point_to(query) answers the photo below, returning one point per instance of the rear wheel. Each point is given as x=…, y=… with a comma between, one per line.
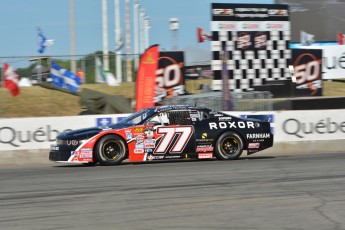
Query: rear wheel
x=229, y=146
x=110, y=150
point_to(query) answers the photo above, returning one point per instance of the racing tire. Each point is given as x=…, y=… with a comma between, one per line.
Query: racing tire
x=229, y=146
x=110, y=150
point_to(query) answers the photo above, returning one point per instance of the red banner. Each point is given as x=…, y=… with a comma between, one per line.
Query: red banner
x=146, y=78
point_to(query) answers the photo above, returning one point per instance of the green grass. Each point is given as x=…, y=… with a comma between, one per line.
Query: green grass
x=40, y=102
x=37, y=101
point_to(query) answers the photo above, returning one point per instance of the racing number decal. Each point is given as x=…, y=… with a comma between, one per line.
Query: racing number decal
x=169, y=133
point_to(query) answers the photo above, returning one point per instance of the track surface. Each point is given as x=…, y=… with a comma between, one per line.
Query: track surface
x=291, y=192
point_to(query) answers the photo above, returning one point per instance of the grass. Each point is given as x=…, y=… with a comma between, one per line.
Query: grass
x=40, y=102
x=36, y=101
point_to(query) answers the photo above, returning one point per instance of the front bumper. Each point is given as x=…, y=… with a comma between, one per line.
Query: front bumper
x=60, y=153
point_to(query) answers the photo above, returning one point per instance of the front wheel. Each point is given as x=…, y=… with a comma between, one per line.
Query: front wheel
x=110, y=150
x=229, y=146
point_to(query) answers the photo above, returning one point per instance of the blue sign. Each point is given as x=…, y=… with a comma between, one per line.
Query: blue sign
x=104, y=122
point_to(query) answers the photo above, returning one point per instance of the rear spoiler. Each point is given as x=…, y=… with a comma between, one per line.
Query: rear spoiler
x=258, y=117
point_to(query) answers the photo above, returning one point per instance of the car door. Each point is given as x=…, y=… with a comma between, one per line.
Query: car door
x=172, y=135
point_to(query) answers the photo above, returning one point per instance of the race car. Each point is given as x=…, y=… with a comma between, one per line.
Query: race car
x=165, y=132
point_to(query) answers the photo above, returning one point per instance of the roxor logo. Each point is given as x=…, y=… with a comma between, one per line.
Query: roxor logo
x=232, y=125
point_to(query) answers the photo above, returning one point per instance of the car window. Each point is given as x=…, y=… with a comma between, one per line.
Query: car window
x=179, y=118
x=159, y=119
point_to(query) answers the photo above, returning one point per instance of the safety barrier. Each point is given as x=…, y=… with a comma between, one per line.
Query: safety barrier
x=294, y=131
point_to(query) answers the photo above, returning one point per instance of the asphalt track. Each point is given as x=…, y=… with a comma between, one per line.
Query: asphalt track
x=259, y=192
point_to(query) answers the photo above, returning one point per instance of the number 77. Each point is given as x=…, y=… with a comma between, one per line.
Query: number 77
x=169, y=134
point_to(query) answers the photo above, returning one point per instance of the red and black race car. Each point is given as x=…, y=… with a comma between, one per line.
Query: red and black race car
x=165, y=132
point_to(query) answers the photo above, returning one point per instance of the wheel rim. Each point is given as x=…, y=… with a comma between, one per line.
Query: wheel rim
x=112, y=150
x=229, y=146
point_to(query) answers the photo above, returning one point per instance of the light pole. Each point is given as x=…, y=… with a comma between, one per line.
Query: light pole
x=136, y=33
x=119, y=42
x=105, y=36
x=174, y=26
x=128, y=42
x=72, y=29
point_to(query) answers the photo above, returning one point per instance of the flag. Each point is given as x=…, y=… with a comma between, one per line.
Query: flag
x=307, y=39
x=43, y=41
x=64, y=78
x=146, y=78
x=341, y=39
x=103, y=76
x=202, y=36
x=11, y=79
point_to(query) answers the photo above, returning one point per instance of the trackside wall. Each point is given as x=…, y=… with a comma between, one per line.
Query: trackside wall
x=295, y=132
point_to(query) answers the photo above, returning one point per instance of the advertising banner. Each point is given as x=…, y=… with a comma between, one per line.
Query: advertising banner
x=310, y=125
x=145, y=84
x=170, y=76
x=257, y=40
x=287, y=126
x=40, y=133
x=303, y=125
x=307, y=65
x=333, y=65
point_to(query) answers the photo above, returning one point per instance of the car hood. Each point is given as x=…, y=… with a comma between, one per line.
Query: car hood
x=86, y=133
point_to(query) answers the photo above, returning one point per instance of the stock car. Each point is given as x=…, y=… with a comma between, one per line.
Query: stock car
x=165, y=132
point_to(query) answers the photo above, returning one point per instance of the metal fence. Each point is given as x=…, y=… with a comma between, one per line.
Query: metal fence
x=246, y=101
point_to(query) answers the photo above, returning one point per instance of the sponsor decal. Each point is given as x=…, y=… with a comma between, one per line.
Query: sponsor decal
x=139, y=144
x=260, y=40
x=254, y=145
x=148, y=133
x=129, y=136
x=85, y=153
x=227, y=26
x=148, y=150
x=224, y=118
x=151, y=157
x=278, y=12
x=243, y=40
x=223, y=12
x=204, y=148
x=149, y=144
x=138, y=151
x=249, y=26
x=258, y=135
x=276, y=26
x=72, y=142
x=205, y=155
x=204, y=135
x=173, y=157
x=139, y=130
x=232, y=124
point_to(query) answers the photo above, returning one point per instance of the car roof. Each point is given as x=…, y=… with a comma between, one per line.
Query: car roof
x=178, y=107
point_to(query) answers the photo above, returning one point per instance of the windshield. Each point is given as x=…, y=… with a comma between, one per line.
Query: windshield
x=137, y=118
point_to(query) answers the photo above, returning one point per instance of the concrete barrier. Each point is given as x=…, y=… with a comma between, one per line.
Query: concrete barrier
x=26, y=140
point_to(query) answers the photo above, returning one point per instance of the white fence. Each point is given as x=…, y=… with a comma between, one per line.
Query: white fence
x=288, y=126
